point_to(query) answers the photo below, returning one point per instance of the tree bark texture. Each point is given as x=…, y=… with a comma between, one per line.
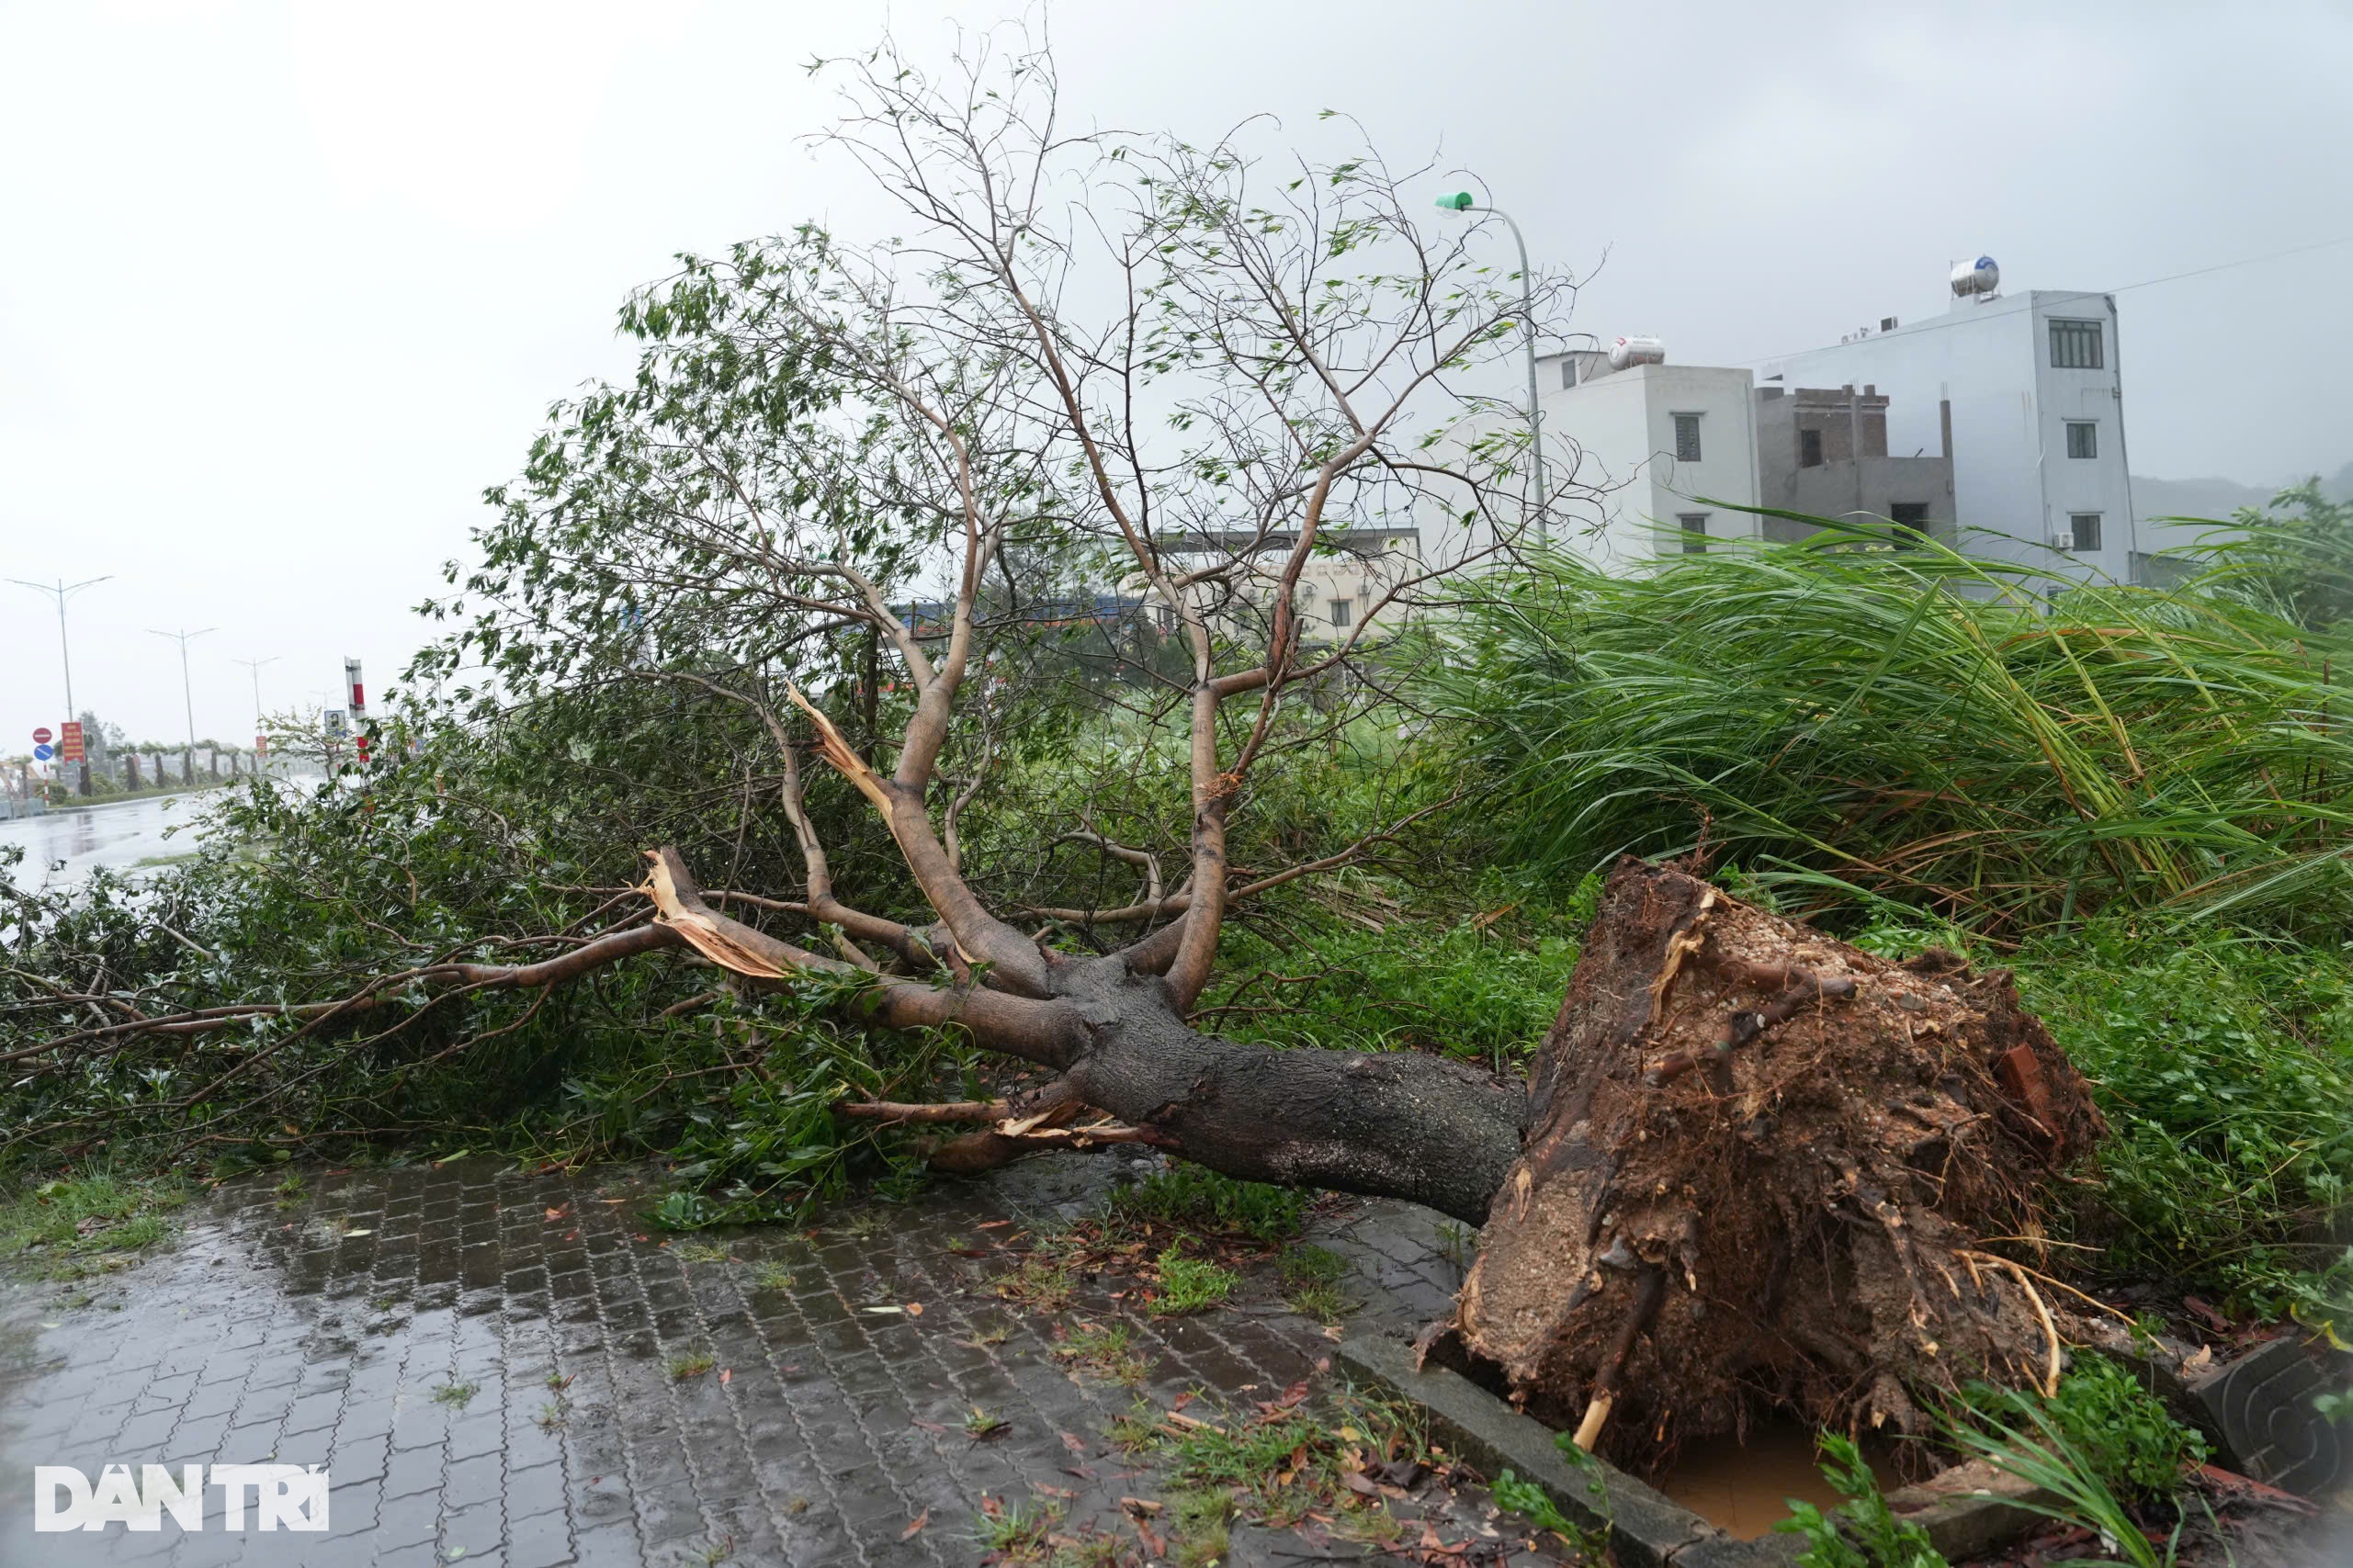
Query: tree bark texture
x=1422, y=1128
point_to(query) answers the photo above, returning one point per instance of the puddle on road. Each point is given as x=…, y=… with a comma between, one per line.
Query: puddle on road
x=1745, y=1488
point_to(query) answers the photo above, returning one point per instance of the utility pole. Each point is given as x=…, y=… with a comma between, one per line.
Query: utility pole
x=1461, y=201
x=187, y=692
x=63, y=591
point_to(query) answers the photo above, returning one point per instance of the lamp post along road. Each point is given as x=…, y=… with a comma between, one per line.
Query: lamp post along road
x=187, y=692
x=61, y=593
x=255, y=665
x=1462, y=201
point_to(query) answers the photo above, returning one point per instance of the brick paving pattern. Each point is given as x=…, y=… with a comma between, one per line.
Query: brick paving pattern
x=341, y=1327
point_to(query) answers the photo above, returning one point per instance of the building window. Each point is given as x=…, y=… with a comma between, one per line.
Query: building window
x=2083, y=528
x=1695, y=533
x=2083, y=439
x=1567, y=372
x=1809, y=448
x=1687, y=438
x=1342, y=612
x=2075, y=346
x=1911, y=520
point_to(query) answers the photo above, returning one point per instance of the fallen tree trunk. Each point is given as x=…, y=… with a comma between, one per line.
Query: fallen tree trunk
x=1422, y=1128
x=1756, y=1166
x=1751, y=1169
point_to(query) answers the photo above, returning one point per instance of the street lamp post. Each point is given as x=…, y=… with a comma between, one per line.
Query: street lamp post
x=61, y=593
x=187, y=691
x=255, y=665
x=1463, y=201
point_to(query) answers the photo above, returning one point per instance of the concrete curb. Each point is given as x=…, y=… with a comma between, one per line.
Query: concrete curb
x=1647, y=1528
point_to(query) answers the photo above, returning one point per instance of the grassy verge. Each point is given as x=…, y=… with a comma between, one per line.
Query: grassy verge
x=79, y=1229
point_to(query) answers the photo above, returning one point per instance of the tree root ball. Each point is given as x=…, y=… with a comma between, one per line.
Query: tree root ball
x=1765, y=1169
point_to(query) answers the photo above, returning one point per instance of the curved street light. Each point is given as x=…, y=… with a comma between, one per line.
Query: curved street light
x=61, y=593
x=1463, y=201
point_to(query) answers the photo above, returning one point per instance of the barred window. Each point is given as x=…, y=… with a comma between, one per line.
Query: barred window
x=2085, y=528
x=2075, y=346
x=2083, y=439
x=1343, y=611
x=1687, y=438
x=1695, y=533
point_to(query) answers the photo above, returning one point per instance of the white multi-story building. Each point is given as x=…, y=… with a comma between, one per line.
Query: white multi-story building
x=2025, y=393
x=1353, y=580
x=1656, y=455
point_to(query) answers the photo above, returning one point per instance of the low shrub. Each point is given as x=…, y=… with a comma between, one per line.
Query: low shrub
x=2120, y=1432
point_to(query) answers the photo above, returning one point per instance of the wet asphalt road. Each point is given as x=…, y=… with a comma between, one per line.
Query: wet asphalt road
x=65, y=846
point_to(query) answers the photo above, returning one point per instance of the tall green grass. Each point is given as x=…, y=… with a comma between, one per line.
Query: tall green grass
x=1919, y=724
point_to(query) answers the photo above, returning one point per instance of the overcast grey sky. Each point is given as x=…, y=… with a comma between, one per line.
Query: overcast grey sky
x=283, y=287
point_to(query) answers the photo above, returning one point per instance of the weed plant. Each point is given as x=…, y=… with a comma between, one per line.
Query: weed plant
x=2114, y=1429
x=1919, y=723
x=1862, y=1532
x=1190, y=1285
x=1206, y=1203
x=2049, y=1448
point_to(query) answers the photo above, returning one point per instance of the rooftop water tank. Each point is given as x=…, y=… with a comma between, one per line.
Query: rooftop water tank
x=1980, y=276
x=1637, y=350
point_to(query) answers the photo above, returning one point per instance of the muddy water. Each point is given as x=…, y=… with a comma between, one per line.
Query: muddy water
x=1745, y=1488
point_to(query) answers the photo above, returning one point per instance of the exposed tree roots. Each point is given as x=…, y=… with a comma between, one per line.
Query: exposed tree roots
x=1758, y=1162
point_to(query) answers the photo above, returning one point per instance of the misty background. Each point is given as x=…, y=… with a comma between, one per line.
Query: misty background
x=283, y=288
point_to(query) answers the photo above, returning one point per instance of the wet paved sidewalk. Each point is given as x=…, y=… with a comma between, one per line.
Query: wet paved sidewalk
x=802, y=1399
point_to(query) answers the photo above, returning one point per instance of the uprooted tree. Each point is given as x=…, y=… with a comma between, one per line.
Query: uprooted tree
x=1184, y=400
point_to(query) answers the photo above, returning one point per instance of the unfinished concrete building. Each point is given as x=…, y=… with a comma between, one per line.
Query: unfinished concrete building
x=1823, y=451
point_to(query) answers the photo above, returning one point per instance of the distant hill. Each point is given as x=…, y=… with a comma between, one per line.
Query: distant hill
x=2219, y=498
x=2195, y=498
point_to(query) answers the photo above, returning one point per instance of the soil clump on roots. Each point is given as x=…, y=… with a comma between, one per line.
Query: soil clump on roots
x=1765, y=1169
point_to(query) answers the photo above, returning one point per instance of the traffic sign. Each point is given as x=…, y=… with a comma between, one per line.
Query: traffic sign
x=69, y=746
x=41, y=736
x=42, y=753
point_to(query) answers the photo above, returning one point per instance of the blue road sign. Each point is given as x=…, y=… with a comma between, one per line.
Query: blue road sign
x=43, y=753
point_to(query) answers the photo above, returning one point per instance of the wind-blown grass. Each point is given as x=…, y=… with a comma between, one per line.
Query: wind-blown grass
x=1917, y=724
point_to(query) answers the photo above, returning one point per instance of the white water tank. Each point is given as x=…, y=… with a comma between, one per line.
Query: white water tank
x=1980, y=276
x=1637, y=350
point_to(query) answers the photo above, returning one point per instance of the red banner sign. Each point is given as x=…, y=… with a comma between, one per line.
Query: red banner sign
x=70, y=748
